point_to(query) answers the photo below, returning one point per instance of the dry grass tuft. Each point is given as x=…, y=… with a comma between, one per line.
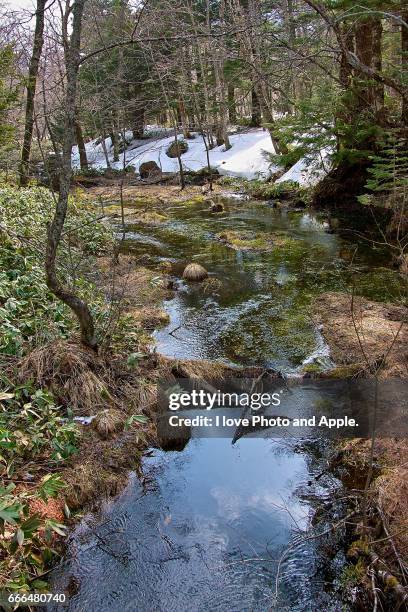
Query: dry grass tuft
x=149, y=317
x=380, y=327
x=108, y=422
x=195, y=272
x=75, y=374
x=90, y=482
x=393, y=498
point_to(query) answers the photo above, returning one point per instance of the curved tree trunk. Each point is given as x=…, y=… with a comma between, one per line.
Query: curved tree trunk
x=31, y=86
x=78, y=306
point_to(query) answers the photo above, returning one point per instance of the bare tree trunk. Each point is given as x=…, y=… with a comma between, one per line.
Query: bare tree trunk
x=222, y=131
x=138, y=121
x=105, y=150
x=83, y=160
x=72, y=56
x=218, y=56
x=183, y=117
x=180, y=163
x=31, y=86
x=203, y=74
x=404, y=65
x=232, y=112
x=291, y=89
x=115, y=144
x=345, y=113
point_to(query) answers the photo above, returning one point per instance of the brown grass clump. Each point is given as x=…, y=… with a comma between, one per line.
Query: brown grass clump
x=380, y=326
x=149, y=317
x=195, y=272
x=393, y=498
x=130, y=286
x=108, y=422
x=75, y=374
x=90, y=482
x=145, y=396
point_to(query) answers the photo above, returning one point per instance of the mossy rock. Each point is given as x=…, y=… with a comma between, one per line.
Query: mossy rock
x=177, y=148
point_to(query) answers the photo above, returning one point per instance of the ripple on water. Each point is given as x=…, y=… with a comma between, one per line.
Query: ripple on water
x=200, y=537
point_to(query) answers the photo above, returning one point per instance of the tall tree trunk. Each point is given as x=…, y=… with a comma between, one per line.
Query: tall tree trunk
x=203, y=71
x=183, y=117
x=180, y=163
x=83, y=160
x=72, y=56
x=138, y=121
x=115, y=144
x=31, y=86
x=290, y=87
x=404, y=65
x=105, y=150
x=368, y=37
x=345, y=114
x=256, y=109
x=232, y=112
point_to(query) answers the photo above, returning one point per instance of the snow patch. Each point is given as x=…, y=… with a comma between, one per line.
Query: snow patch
x=307, y=172
x=247, y=157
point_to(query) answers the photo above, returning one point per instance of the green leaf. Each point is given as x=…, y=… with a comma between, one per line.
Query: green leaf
x=10, y=514
x=20, y=536
x=50, y=485
x=39, y=584
x=134, y=359
x=30, y=525
x=140, y=418
x=57, y=527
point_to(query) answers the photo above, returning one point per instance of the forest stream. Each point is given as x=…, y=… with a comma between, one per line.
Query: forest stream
x=217, y=526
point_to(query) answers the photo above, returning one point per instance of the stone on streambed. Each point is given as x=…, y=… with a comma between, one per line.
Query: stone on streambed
x=195, y=272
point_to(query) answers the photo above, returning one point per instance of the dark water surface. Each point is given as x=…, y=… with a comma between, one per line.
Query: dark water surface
x=206, y=528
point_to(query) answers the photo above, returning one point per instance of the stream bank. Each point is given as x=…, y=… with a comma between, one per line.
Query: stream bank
x=263, y=289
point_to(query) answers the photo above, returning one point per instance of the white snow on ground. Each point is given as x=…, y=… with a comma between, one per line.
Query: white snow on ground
x=308, y=172
x=245, y=158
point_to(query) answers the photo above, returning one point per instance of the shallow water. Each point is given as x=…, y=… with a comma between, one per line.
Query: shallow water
x=205, y=528
x=258, y=312
x=204, y=532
